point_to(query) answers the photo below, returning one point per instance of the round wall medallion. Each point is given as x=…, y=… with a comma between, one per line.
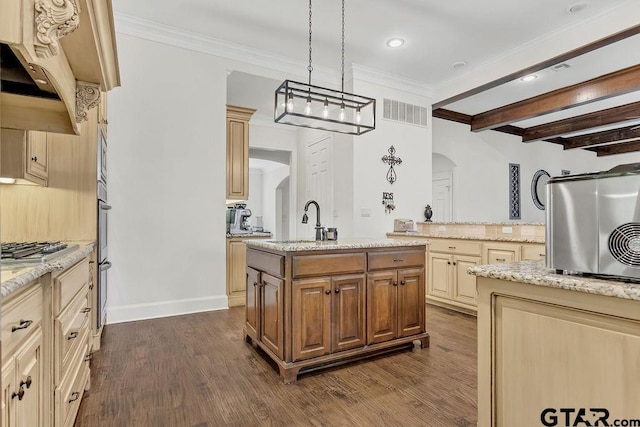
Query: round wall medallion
x=539, y=188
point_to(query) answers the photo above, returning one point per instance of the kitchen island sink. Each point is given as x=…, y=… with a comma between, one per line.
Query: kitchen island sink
x=314, y=304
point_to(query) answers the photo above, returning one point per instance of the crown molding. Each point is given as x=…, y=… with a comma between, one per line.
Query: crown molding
x=361, y=72
x=165, y=34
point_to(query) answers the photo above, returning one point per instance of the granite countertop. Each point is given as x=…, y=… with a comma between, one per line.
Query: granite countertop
x=519, y=239
x=481, y=223
x=17, y=276
x=327, y=245
x=535, y=273
x=250, y=235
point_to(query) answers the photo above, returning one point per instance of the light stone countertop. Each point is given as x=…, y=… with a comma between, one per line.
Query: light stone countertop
x=519, y=239
x=328, y=245
x=17, y=276
x=514, y=223
x=535, y=273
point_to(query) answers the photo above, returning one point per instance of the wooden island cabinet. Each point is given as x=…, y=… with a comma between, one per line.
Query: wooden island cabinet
x=318, y=304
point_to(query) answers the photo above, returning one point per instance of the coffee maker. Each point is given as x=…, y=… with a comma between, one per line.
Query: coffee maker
x=238, y=219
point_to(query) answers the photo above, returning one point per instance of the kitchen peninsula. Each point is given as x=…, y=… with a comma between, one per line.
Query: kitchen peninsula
x=548, y=341
x=317, y=304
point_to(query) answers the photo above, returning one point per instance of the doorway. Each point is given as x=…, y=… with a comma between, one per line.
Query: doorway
x=442, y=182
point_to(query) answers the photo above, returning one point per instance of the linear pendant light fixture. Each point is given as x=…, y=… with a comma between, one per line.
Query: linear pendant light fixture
x=306, y=105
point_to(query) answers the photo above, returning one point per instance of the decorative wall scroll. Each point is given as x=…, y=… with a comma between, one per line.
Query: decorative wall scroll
x=514, y=191
x=87, y=97
x=54, y=19
x=392, y=161
x=387, y=201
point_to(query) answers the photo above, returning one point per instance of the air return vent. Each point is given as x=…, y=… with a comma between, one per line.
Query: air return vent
x=624, y=244
x=403, y=112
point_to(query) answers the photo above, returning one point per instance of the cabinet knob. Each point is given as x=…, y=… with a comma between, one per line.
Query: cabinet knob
x=19, y=394
x=34, y=158
x=24, y=324
x=395, y=283
x=402, y=282
x=27, y=382
x=74, y=396
x=73, y=335
x=449, y=262
x=454, y=263
x=88, y=357
x=328, y=292
x=337, y=290
x=85, y=310
x=255, y=283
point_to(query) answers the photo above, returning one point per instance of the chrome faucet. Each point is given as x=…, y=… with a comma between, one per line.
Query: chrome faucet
x=320, y=232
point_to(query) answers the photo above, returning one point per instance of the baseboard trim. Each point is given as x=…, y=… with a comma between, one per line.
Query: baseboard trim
x=154, y=310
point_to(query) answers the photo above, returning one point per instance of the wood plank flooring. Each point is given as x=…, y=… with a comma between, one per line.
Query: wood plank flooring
x=196, y=370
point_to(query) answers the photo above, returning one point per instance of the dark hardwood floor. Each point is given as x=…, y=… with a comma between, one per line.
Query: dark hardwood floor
x=196, y=370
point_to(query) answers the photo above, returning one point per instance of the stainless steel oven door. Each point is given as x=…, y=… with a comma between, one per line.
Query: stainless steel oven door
x=103, y=210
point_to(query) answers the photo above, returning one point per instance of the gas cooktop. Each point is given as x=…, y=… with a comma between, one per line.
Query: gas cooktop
x=33, y=252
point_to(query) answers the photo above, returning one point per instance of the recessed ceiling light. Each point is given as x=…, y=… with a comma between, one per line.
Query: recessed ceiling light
x=459, y=64
x=395, y=42
x=577, y=7
x=529, y=78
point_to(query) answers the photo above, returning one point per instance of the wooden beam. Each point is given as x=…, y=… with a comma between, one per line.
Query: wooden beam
x=604, y=137
x=441, y=113
x=613, y=38
x=586, y=121
x=603, y=87
x=623, y=147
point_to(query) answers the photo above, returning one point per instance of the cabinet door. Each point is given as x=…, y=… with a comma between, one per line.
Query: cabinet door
x=533, y=252
x=271, y=313
x=465, y=289
x=29, y=410
x=236, y=272
x=37, y=155
x=311, y=327
x=237, y=159
x=252, y=302
x=440, y=275
x=382, y=306
x=498, y=256
x=8, y=388
x=348, y=312
x=410, y=302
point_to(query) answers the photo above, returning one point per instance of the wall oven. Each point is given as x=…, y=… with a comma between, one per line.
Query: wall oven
x=103, y=213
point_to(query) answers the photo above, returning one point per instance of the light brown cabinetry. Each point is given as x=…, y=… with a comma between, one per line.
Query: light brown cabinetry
x=23, y=397
x=310, y=309
x=533, y=252
x=236, y=269
x=238, y=152
x=579, y=351
x=497, y=252
x=24, y=155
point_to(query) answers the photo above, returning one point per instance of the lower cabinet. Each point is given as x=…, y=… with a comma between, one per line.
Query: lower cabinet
x=313, y=309
x=497, y=253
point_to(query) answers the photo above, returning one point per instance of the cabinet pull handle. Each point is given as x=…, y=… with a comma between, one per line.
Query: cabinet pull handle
x=88, y=357
x=24, y=324
x=255, y=283
x=34, y=158
x=328, y=292
x=19, y=394
x=500, y=259
x=398, y=260
x=91, y=286
x=337, y=290
x=452, y=247
x=73, y=335
x=542, y=255
x=402, y=282
x=74, y=396
x=27, y=382
x=85, y=310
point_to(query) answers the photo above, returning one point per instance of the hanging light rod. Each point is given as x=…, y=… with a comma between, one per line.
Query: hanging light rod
x=306, y=105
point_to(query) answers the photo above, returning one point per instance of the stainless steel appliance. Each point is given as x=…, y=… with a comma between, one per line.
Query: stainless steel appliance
x=103, y=263
x=18, y=253
x=593, y=222
x=238, y=219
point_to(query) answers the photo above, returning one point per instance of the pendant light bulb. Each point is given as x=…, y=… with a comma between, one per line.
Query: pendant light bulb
x=358, y=117
x=342, y=111
x=325, y=111
x=290, y=101
x=307, y=109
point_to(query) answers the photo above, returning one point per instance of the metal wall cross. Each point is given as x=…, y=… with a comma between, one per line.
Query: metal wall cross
x=392, y=161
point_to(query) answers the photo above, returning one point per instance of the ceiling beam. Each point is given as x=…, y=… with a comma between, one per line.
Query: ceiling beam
x=604, y=137
x=586, y=121
x=613, y=38
x=623, y=147
x=603, y=87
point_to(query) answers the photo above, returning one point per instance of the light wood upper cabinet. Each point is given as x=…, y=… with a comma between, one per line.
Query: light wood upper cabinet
x=24, y=155
x=238, y=152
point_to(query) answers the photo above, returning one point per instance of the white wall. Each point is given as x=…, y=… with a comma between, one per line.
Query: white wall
x=481, y=178
x=256, y=200
x=270, y=182
x=166, y=182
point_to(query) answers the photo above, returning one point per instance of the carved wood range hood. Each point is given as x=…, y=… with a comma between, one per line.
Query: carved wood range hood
x=57, y=58
x=605, y=131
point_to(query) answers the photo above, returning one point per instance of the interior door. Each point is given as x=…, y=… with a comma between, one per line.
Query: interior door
x=319, y=173
x=442, y=198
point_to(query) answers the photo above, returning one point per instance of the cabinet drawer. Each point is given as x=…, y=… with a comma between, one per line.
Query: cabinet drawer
x=23, y=311
x=267, y=262
x=70, y=330
x=69, y=393
x=67, y=285
x=395, y=259
x=456, y=247
x=533, y=252
x=314, y=265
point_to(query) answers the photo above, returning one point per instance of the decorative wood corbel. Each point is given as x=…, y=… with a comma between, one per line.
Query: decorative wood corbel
x=54, y=19
x=87, y=97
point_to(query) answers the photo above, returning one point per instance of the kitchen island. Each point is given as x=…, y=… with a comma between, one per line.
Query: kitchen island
x=311, y=305
x=553, y=345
